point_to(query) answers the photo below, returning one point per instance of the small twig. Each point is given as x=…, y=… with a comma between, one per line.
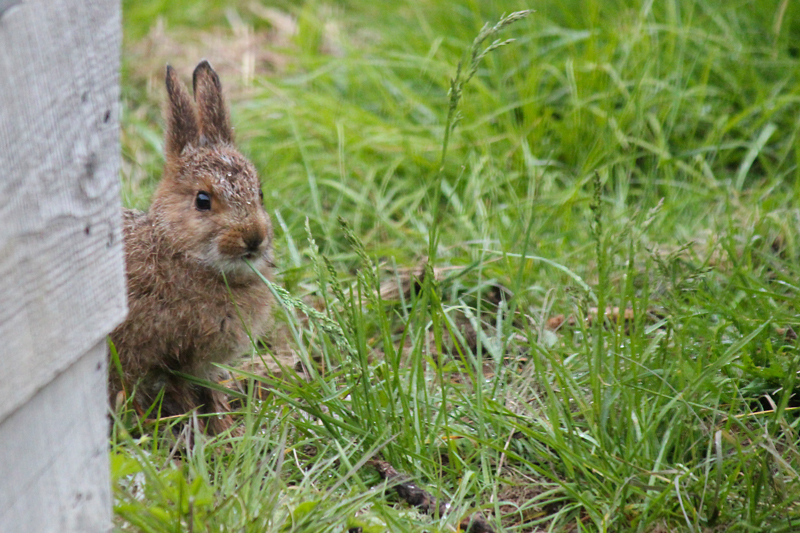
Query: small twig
x=425, y=501
x=503, y=455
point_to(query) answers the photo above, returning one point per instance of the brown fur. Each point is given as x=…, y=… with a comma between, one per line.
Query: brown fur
x=183, y=317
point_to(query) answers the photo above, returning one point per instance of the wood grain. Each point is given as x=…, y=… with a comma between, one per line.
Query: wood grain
x=61, y=261
x=62, y=284
x=54, y=460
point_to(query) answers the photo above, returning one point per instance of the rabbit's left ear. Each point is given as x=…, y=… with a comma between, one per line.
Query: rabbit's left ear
x=215, y=126
x=181, y=119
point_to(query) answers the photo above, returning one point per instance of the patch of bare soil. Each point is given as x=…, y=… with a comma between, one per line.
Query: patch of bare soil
x=516, y=509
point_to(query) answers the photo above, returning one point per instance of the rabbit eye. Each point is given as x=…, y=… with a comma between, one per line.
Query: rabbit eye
x=203, y=201
x=261, y=194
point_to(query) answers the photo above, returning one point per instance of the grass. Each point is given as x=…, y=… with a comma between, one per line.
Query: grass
x=638, y=156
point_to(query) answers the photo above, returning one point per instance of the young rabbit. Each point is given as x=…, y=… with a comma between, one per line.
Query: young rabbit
x=193, y=300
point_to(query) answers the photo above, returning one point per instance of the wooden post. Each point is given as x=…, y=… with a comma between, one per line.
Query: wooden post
x=61, y=260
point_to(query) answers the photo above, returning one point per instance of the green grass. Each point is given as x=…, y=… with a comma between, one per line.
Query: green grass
x=639, y=155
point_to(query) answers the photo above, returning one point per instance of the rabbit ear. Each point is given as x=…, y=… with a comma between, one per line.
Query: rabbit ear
x=215, y=126
x=181, y=120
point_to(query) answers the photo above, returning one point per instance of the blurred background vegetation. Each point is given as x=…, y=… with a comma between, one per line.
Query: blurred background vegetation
x=341, y=107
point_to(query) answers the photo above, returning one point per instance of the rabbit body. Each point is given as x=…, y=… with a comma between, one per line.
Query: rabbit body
x=193, y=299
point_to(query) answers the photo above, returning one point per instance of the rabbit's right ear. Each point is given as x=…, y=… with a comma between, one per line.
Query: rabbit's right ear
x=181, y=119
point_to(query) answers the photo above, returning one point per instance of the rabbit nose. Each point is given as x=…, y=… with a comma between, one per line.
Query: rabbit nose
x=253, y=242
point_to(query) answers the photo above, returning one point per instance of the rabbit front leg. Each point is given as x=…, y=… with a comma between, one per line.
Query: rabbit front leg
x=215, y=403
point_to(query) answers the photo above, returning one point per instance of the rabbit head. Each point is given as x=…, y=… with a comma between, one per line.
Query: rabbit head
x=209, y=204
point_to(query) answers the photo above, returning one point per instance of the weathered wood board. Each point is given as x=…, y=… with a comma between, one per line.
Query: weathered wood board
x=61, y=260
x=54, y=459
x=61, y=263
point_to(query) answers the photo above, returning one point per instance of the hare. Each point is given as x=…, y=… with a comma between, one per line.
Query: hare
x=193, y=299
